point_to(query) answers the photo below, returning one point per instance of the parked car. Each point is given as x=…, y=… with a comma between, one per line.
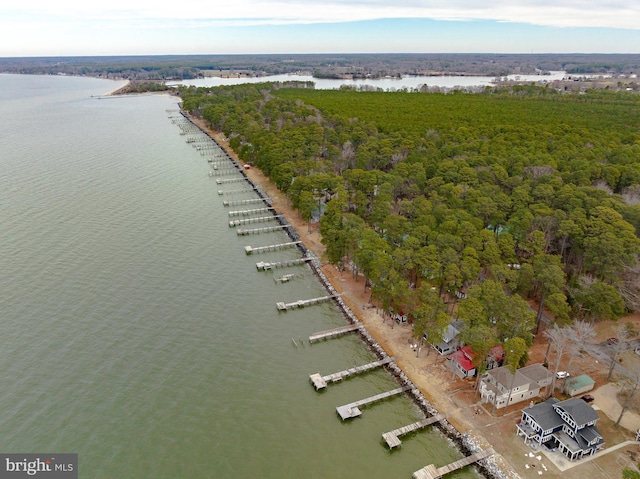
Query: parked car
x=613, y=341
x=587, y=398
x=562, y=374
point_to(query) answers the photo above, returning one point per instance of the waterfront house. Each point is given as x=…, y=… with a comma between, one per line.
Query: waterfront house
x=461, y=362
x=569, y=426
x=500, y=386
x=450, y=341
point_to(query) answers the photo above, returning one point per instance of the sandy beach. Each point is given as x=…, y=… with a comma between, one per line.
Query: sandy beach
x=120, y=90
x=450, y=395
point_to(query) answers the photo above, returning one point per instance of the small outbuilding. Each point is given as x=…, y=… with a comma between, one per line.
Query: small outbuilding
x=578, y=385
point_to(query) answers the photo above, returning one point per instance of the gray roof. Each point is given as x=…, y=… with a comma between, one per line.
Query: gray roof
x=453, y=329
x=569, y=442
x=532, y=374
x=579, y=411
x=505, y=377
x=537, y=373
x=545, y=415
x=590, y=433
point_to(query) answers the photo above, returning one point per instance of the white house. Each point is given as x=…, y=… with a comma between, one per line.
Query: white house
x=499, y=385
x=450, y=342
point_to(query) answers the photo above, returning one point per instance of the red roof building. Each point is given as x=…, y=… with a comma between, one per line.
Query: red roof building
x=461, y=362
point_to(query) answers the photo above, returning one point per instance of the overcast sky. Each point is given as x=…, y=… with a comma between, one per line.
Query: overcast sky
x=129, y=27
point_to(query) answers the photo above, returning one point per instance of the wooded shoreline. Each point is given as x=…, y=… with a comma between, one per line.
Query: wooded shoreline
x=352, y=308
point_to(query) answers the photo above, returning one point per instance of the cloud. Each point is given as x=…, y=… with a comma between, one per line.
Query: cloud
x=560, y=13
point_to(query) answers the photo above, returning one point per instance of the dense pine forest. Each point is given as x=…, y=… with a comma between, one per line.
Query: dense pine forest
x=476, y=205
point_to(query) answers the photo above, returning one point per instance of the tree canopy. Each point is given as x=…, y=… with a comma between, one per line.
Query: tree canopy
x=513, y=194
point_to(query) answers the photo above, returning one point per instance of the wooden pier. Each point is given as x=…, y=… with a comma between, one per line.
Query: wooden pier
x=250, y=212
x=221, y=181
x=219, y=173
x=352, y=410
x=320, y=382
x=266, y=229
x=224, y=172
x=433, y=472
x=332, y=333
x=242, y=202
x=211, y=146
x=271, y=247
x=257, y=219
x=237, y=192
x=265, y=266
x=392, y=438
x=301, y=303
x=285, y=278
x=223, y=167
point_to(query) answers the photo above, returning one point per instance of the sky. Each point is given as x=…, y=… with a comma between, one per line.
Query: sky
x=156, y=27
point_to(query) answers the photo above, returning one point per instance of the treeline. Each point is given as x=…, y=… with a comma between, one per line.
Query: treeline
x=118, y=67
x=486, y=200
x=137, y=86
x=176, y=67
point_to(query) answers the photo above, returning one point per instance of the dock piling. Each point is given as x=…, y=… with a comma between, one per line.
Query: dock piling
x=320, y=382
x=301, y=303
x=352, y=410
x=431, y=472
x=392, y=438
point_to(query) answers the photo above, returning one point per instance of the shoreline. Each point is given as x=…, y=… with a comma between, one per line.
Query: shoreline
x=431, y=402
x=120, y=90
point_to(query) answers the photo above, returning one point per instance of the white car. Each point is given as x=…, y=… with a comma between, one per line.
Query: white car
x=562, y=374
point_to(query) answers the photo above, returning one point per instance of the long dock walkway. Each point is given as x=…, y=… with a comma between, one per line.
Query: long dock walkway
x=222, y=181
x=301, y=303
x=266, y=229
x=332, y=333
x=253, y=211
x=265, y=265
x=238, y=192
x=433, y=472
x=351, y=410
x=250, y=201
x=392, y=438
x=271, y=247
x=320, y=382
x=259, y=219
x=221, y=172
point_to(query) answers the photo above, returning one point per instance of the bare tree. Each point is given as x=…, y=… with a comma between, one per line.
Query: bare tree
x=628, y=400
x=347, y=157
x=538, y=171
x=580, y=332
x=559, y=338
x=618, y=347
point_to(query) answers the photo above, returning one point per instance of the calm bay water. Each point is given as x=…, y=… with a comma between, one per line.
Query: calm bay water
x=136, y=332
x=386, y=84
